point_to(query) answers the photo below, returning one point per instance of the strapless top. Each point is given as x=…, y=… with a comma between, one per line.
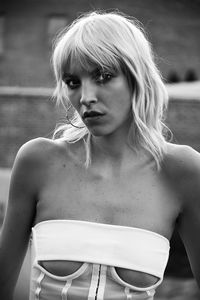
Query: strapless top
x=101, y=248
x=120, y=246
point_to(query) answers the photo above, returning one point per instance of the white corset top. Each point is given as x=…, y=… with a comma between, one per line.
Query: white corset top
x=113, y=245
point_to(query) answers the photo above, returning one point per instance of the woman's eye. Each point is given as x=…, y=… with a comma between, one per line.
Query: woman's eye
x=104, y=77
x=71, y=83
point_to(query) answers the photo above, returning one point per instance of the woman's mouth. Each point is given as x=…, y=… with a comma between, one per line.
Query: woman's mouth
x=92, y=114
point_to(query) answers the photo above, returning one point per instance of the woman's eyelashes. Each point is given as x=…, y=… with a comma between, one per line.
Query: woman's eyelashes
x=103, y=77
x=99, y=77
x=72, y=82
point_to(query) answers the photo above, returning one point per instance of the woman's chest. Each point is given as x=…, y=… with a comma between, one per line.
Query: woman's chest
x=143, y=200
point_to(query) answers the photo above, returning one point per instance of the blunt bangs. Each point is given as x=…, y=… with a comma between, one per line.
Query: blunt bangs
x=79, y=48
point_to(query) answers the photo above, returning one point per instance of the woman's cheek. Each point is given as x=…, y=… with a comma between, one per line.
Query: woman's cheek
x=72, y=96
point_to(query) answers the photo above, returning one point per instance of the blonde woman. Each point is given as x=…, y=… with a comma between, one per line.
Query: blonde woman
x=100, y=200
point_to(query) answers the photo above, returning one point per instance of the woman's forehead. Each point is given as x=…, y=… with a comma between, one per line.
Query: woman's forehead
x=76, y=67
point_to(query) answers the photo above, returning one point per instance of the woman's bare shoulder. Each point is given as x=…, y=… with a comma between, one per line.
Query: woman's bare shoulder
x=181, y=158
x=40, y=150
x=35, y=160
x=181, y=165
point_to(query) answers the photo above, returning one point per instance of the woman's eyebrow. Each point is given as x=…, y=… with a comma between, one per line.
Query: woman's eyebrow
x=91, y=72
x=65, y=74
x=95, y=71
x=98, y=70
x=101, y=69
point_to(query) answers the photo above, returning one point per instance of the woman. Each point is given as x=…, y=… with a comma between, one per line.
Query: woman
x=102, y=200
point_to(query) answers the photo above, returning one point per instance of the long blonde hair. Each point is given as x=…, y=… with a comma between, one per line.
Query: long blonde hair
x=114, y=40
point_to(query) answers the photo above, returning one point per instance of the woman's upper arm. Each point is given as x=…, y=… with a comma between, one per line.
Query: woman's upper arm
x=20, y=212
x=189, y=226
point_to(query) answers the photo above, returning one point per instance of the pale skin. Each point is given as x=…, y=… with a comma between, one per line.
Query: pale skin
x=120, y=187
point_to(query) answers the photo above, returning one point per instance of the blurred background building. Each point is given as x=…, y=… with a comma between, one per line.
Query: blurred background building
x=27, y=110
x=27, y=28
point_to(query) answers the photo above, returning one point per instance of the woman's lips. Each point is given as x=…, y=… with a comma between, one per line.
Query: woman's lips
x=92, y=114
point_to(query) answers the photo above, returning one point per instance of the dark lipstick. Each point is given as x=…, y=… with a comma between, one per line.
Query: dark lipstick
x=92, y=114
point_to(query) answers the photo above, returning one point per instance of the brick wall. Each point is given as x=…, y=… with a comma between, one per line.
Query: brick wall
x=24, y=117
x=173, y=28
x=183, y=119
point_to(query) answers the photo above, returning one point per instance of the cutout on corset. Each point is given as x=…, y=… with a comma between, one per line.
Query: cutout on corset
x=135, y=278
x=61, y=267
x=64, y=268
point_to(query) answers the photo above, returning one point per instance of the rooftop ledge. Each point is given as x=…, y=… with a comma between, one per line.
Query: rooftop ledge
x=182, y=91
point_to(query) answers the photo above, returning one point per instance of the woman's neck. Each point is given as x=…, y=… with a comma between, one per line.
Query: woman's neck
x=108, y=148
x=114, y=152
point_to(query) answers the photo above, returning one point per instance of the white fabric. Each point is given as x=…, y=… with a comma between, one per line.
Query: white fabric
x=120, y=246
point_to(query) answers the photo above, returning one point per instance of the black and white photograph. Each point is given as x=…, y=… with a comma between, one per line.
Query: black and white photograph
x=100, y=150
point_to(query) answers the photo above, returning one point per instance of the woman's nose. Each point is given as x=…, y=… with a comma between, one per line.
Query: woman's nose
x=88, y=93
